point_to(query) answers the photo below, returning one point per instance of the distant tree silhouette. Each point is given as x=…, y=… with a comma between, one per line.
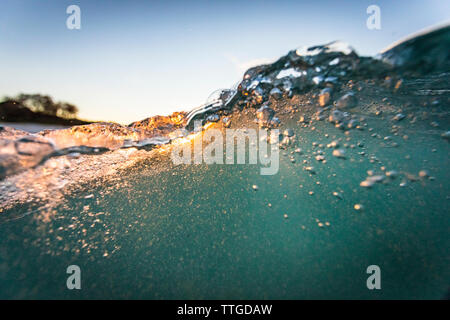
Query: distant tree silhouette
x=45, y=104
x=66, y=110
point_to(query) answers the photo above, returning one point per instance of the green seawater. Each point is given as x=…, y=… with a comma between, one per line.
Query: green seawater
x=201, y=231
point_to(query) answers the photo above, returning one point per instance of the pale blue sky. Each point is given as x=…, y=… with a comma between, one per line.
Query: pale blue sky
x=135, y=59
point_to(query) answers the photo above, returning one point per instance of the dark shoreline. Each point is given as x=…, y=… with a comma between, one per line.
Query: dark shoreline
x=13, y=112
x=46, y=119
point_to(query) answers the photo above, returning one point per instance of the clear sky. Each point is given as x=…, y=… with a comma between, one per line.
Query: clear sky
x=134, y=59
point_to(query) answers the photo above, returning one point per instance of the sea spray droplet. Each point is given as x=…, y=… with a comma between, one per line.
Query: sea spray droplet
x=399, y=117
x=333, y=144
x=392, y=174
x=276, y=93
x=347, y=101
x=226, y=122
x=339, y=153
x=212, y=118
x=337, y=195
x=264, y=115
x=310, y=170
x=324, y=97
x=371, y=180
x=288, y=132
x=320, y=158
x=423, y=173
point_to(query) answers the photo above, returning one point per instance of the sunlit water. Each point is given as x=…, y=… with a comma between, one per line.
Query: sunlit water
x=140, y=227
x=203, y=232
